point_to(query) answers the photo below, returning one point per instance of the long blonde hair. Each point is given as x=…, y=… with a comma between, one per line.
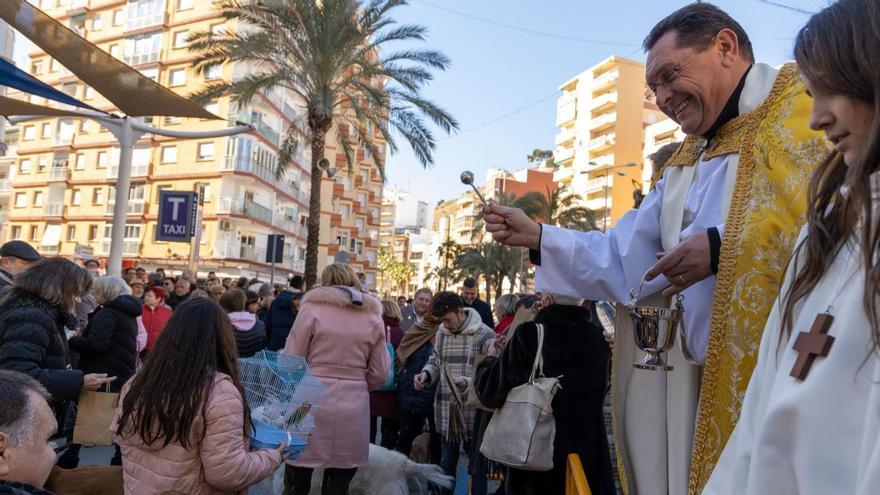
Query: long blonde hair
x=391, y=310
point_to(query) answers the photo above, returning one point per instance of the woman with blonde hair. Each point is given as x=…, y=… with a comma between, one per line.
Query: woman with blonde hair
x=383, y=404
x=339, y=330
x=505, y=310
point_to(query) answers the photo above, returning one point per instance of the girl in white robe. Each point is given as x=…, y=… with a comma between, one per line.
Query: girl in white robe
x=810, y=422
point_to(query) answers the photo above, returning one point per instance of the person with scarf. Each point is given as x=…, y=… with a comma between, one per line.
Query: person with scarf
x=416, y=406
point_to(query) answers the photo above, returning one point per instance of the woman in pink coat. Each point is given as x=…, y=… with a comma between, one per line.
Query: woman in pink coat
x=182, y=421
x=340, y=332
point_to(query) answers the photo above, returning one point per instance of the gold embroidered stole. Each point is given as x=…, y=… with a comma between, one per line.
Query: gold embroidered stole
x=777, y=153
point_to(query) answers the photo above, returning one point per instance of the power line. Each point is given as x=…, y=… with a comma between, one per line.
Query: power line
x=787, y=7
x=506, y=115
x=526, y=30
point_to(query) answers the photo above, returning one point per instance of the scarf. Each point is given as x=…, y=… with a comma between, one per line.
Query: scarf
x=418, y=334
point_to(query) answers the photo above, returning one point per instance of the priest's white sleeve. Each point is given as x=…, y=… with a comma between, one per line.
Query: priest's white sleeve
x=604, y=265
x=732, y=470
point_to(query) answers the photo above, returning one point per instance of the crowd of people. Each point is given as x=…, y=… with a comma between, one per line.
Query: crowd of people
x=771, y=355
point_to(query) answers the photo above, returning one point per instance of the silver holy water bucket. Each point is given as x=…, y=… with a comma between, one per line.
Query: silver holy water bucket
x=654, y=329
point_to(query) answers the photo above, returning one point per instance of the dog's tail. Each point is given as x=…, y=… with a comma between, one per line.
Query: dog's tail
x=428, y=473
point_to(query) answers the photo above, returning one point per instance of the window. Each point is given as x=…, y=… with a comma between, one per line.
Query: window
x=98, y=195
x=142, y=48
x=102, y=159
x=53, y=65
x=38, y=198
x=89, y=93
x=214, y=72
x=83, y=126
x=30, y=133
x=177, y=77
x=75, y=197
x=117, y=17
x=97, y=23
x=180, y=39
x=42, y=163
x=71, y=233
x=16, y=232
x=151, y=73
x=46, y=130
x=114, y=51
x=93, y=232
x=184, y=4
x=20, y=200
x=206, y=151
x=25, y=166
x=35, y=230
x=169, y=154
x=79, y=161
x=37, y=67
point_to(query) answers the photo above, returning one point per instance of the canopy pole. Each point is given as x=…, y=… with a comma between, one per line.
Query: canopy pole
x=127, y=138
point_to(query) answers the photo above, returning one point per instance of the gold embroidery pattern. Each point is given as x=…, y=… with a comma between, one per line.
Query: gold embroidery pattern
x=766, y=212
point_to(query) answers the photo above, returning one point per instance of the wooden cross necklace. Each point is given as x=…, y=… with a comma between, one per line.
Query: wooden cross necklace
x=816, y=342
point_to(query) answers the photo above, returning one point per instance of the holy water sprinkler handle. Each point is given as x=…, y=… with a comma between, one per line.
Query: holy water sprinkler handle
x=467, y=178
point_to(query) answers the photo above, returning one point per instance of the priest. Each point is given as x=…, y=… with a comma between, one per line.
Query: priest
x=722, y=221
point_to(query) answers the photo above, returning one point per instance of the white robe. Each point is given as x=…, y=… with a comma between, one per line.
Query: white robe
x=655, y=411
x=820, y=436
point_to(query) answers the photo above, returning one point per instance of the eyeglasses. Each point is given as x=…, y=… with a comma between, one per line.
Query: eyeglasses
x=668, y=76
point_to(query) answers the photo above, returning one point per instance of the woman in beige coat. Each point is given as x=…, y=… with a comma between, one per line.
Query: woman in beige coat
x=182, y=421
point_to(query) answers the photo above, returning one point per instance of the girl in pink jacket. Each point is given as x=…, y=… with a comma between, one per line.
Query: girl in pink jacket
x=340, y=332
x=182, y=421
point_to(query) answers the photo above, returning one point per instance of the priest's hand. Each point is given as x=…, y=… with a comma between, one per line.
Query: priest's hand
x=685, y=264
x=511, y=226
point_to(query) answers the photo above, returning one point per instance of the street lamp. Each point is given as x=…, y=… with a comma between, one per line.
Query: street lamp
x=608, y=169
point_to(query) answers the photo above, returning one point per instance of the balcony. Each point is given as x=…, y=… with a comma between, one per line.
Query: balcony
x=59, y=174
x=145, y=21
x=54, y=209
x=563, y=154
x=595, y=185
x=265, y=172
x=603, y=101
x=605, y=80
x=130, y=247
x=603, y=121
x=602, y=141
x=5, y=186
x=245, y=207
x=74, y=5
x=61, y=140
x=566, y=109
x=131, y=207
x=299, y=266
x=565, y=137
x=142, y=57
x=139, y=170
x=261, y=127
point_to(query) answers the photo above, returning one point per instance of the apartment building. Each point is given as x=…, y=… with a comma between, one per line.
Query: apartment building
x=8, y=137
x=63, y=185
x=599, y=150
x=657, y=135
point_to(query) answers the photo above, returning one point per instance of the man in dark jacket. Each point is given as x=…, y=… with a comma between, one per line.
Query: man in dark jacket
x=417, y=406
x=282, y=313
x=15, y=257
x=472, y=300
x=575, y=350
x=181, y=293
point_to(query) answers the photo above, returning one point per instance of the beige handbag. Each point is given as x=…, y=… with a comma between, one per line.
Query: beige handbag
x=94, y=415
x=521, y=433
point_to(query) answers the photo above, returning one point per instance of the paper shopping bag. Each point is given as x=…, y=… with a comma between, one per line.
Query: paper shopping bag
x=93, y=418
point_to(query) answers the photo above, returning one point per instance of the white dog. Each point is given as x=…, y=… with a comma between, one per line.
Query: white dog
x=387, y=473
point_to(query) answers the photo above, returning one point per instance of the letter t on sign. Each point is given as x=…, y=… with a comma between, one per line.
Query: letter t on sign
x=809, y=345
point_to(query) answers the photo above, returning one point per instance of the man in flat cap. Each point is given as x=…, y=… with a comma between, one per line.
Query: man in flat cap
x=15, y=257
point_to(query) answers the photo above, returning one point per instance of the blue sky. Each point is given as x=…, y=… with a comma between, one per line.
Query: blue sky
x=502, y=83
x=497, y=70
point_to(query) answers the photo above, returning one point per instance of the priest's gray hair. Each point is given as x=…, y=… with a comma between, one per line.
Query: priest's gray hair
x=17, y=411
x=566, y=300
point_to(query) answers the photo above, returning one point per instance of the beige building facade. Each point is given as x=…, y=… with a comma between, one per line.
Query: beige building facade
x=599, y=149
x=64, y=173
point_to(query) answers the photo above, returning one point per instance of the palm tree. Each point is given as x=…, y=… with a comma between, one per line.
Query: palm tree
x=558, y=208
x=334, y=56
x=544, y=157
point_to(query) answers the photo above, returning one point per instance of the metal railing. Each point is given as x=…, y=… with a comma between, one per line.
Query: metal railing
x=54, y=209
x=130, y=247
x=605, y=139
x=245, y=207
x=595, y=184
x=59, y=173
x=131, y=207
x=62, y=140
x=247, y=164
x=142, y=58
x=141, y=170
x=143, y=21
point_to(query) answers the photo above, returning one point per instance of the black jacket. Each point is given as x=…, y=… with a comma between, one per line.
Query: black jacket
x=419, y=401
x=485, y=311
x=108, y=344
x=252, y=341
x=575, y=349
x=280, y=320
x=32, y=341
x=174, y=300
x=15, y=488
